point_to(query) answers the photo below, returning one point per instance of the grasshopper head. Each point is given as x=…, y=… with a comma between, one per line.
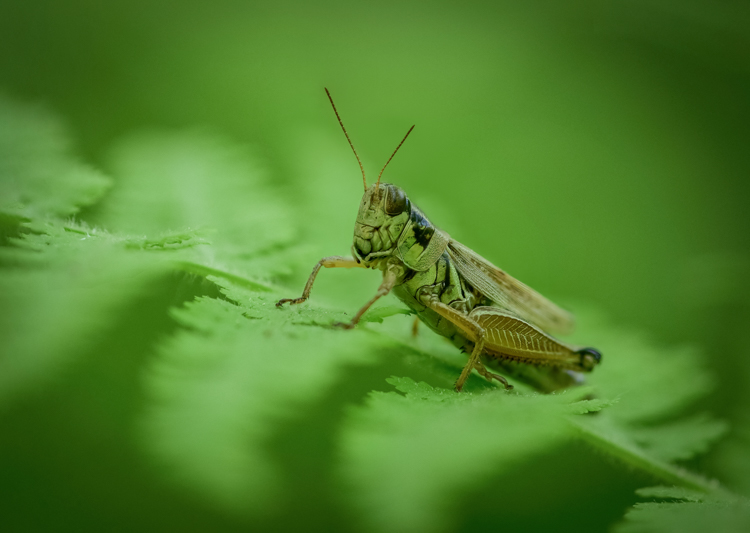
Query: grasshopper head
x=383, y=211
x=380, y=202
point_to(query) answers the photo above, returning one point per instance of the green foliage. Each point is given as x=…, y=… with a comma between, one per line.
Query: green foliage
x=229, y=374
x=55, y=310
x=687, y=511
x=220, y=385
x=39, y=177
x=192, y=182
x=408, y=457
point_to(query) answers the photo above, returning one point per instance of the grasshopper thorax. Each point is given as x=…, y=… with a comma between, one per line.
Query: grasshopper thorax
x=383, y=212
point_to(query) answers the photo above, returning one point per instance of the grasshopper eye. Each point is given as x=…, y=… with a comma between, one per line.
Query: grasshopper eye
x=396, y=202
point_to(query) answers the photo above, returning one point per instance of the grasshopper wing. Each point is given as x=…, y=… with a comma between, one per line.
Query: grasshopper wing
x=507, y=292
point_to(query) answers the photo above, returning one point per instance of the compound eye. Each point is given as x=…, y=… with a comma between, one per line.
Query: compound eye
x=396, y=202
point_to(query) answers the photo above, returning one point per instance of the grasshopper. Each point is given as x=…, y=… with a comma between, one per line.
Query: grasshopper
x=496, y=319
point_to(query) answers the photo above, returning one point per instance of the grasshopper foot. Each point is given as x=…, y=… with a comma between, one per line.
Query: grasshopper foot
x=489, y=376
x=343, y=325
x=415, y=328
x=501, y=379
x=291, y=301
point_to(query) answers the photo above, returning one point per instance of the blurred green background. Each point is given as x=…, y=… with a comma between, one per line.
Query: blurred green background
x=597, y=151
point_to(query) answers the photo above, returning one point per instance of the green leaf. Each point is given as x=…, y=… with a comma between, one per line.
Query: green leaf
x=390, y=426
x=733, y=457
x=172, y=185
x=617, y=440
x=377, y=314
x=652, y=382
x=68, y=287
x=408, y=458
x=692, y=512
x=221, y=384
x=671, y=493
x=680, y=440
x=39, y=175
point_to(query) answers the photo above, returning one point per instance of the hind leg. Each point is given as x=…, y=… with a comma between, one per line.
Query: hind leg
x=473, y=331
x=489, y=376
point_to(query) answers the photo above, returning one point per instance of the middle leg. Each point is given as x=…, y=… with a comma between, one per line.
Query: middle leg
x=389, y=280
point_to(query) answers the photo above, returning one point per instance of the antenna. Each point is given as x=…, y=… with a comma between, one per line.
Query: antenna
x=394, y=153
x=350, y=141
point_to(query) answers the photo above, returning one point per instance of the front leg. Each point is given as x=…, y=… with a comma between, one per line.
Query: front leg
x=328, y=262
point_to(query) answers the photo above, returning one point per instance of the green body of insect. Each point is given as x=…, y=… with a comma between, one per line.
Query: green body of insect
x=460, y=295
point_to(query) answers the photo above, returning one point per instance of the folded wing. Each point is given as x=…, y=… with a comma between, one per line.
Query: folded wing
x=507, y=292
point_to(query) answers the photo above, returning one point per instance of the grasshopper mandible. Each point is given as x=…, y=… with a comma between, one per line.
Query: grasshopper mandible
x=496, y=319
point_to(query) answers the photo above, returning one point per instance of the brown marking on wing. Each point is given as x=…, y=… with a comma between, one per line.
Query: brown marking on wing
x=507, y=292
